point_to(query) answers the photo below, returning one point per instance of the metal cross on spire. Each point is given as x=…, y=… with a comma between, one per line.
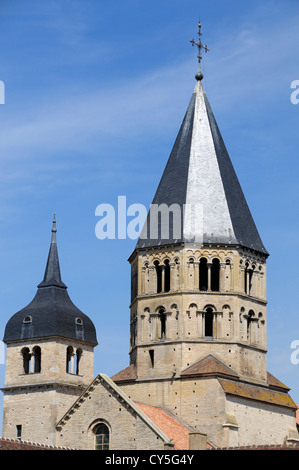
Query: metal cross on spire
x=199, y=75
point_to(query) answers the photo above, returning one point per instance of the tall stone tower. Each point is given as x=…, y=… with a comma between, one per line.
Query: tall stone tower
x=201, y=289
x=198, y=318
x=49, y=358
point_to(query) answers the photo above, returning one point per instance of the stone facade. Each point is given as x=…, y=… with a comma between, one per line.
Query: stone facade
x=129, y=428
x=37, y=399
x=198, y=322
x=237, y=304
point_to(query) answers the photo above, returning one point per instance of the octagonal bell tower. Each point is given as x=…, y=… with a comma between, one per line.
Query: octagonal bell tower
x=199, y=267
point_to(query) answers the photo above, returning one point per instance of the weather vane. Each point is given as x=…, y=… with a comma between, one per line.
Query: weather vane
x=199, y=75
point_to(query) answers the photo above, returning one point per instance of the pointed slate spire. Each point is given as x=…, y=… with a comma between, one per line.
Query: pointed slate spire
x=199, y=178
x=52, y=275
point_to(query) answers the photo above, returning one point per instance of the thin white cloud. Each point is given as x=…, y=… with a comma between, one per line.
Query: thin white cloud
x=253, y=57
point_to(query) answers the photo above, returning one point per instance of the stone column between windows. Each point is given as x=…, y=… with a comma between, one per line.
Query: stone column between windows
x=209, y=266
x=153, y=280
x=72, y=363
x=171, y=268
x=196, y=275
x=222, y=269
x=31, y=371
x=162, y=278
x=200, y=326
x=242, y=274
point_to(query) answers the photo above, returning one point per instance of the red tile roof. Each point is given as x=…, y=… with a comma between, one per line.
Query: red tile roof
x=297, y=415
x=170, y=426
x=209, y=365
x=255, y=392
x=15, y=444
x=291, y=446
x=273, y=382
x=126, y=375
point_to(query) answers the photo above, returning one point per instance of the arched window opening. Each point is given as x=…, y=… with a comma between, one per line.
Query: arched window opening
x=249, y=321
x=134, y=284
x=159, y=276
x=26, y=360
x=27, y=319
x=248, y=273
x=73, y=360
x=246, y=278
x=203, y=274
x=101, y=433
x=250, y=281
x=77, y=360
x=69, y=359
x=162, y=318
x=209, y=323
x=36, y=359
x=215, y=273
x=167, y=276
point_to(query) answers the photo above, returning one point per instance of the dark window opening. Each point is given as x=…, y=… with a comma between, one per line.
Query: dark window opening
x=250, y=281
x=69, y=353
x=162, y=316
x=248, y=273
x=215, y=272
x=152, y=357
x=159, y=276
x=167, y=276
x=19, y=431
x=77, y=360
x=26, y=360
x=37, y=359
x=203, y=274
x=209, y=323
x=249, y=320
x=73, y=360
x=101, y=437
x=134, y=285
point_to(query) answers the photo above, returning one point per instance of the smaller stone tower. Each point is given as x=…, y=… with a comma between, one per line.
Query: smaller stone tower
x=49, y=359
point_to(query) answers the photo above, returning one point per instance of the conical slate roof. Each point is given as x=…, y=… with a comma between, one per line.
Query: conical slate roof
x=51, y=312
x=199, y=178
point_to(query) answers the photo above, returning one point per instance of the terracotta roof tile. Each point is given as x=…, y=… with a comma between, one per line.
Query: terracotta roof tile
x=209, y=365
x=126, y=375
x=169, y=425
x=15, y=444
x=273, y=382
x=255, y=392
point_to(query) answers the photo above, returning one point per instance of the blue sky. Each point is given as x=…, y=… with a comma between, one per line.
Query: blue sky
x=95, y=92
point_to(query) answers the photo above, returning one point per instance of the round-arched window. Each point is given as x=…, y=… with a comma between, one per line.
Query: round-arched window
x=101, y=433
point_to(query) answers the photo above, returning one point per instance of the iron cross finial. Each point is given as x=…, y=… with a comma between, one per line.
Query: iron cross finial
x=200, y=46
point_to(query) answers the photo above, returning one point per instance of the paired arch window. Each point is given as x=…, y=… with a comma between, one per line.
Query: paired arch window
x=73, y=358
x=209, y=275
x=163, y=276
x=31, y=360
x=101, y=433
